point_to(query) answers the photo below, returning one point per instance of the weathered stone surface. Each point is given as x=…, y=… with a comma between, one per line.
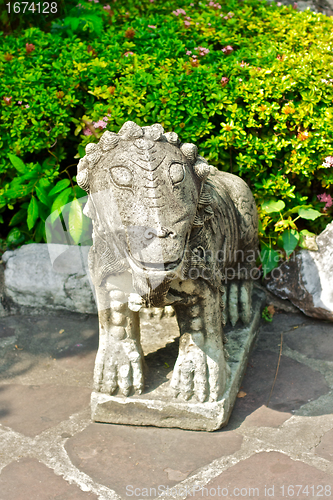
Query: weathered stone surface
x=48, y=277
x=307, y=278
x=264, y=475
x=158, y=406
x=27, y=478
x=118, y=456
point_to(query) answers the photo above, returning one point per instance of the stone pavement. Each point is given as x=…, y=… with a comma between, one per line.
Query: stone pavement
x=50, y=449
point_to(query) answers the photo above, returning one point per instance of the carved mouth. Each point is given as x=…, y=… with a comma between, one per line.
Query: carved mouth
x=156, y=266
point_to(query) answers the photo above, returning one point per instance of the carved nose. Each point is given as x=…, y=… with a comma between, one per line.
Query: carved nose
x=160, y=232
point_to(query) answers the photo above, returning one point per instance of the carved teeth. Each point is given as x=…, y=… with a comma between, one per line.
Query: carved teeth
x=130, y=130
x=190, y=151
x=209, y=210
x=198, y=221
x=82, y=179
x=109, y=140
x=205, y=197
x=172, y=138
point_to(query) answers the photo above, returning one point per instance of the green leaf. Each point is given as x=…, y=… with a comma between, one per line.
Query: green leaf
x=75, y=220
x=309, y=213
x=43, y=196
x=15, y=237
x=60, y=186
x=40, y=231
x=290, y=239
x=17, y=163
x=269, y=258
x=33, y=213
x=20, y=216
x=58, y=204
x=273, y=206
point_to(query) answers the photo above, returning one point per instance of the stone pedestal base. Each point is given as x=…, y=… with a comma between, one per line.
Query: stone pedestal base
x=159, y=408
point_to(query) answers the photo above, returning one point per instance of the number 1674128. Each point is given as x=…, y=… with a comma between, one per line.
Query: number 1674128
x=36, y=8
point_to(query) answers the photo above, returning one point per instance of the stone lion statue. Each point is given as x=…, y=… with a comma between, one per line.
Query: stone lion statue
x=168, y=229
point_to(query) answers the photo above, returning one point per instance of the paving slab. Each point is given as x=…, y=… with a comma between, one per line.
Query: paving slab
x=266, y=417
x=325, y=447
x=314, y=340
x=266, y=475
x=30, y=409
x=118, y=456
x=27, y=479
x=296, y=384
x=46, y=367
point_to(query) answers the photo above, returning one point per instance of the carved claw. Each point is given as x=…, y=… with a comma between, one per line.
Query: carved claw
x=135, y=302
x=119, y=366
x=200, y=371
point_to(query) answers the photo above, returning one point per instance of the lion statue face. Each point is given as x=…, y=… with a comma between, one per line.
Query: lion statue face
x=144, y=188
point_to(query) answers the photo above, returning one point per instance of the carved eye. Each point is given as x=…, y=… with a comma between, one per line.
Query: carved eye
x=177, y=172
x=122, y=176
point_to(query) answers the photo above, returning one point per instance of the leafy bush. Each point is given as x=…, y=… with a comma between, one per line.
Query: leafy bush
x=251, y=84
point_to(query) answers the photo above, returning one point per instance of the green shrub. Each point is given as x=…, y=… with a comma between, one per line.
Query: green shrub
x=251, y=84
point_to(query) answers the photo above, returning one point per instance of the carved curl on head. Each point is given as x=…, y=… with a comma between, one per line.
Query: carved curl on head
x=82, y=179
x=93, y=154
x=109, y=140
x=190, y=151
x=201, y=168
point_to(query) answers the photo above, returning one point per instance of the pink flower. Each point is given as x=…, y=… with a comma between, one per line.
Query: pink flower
x=151, y=26
x=279, y=4
x=229, y=15
x=192, y=4
x=224, y=81
x=243, y=64
x=179, y=12
x=240, y=79
x=29, y=47
x=295, y=5
x=202, y=51
x=152, y=1
x=87, y=131
x=187, y=24
x=188, y=52
x=325, y=198
x=7, y=100
x=100, y=124
x=19, y=102
x=328, y=163
x=107, y=7
x=27, y=106
x=129, y=53
x=227, y=50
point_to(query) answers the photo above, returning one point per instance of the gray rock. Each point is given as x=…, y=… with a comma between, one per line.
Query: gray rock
x=307, y=278
x=48, y=277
